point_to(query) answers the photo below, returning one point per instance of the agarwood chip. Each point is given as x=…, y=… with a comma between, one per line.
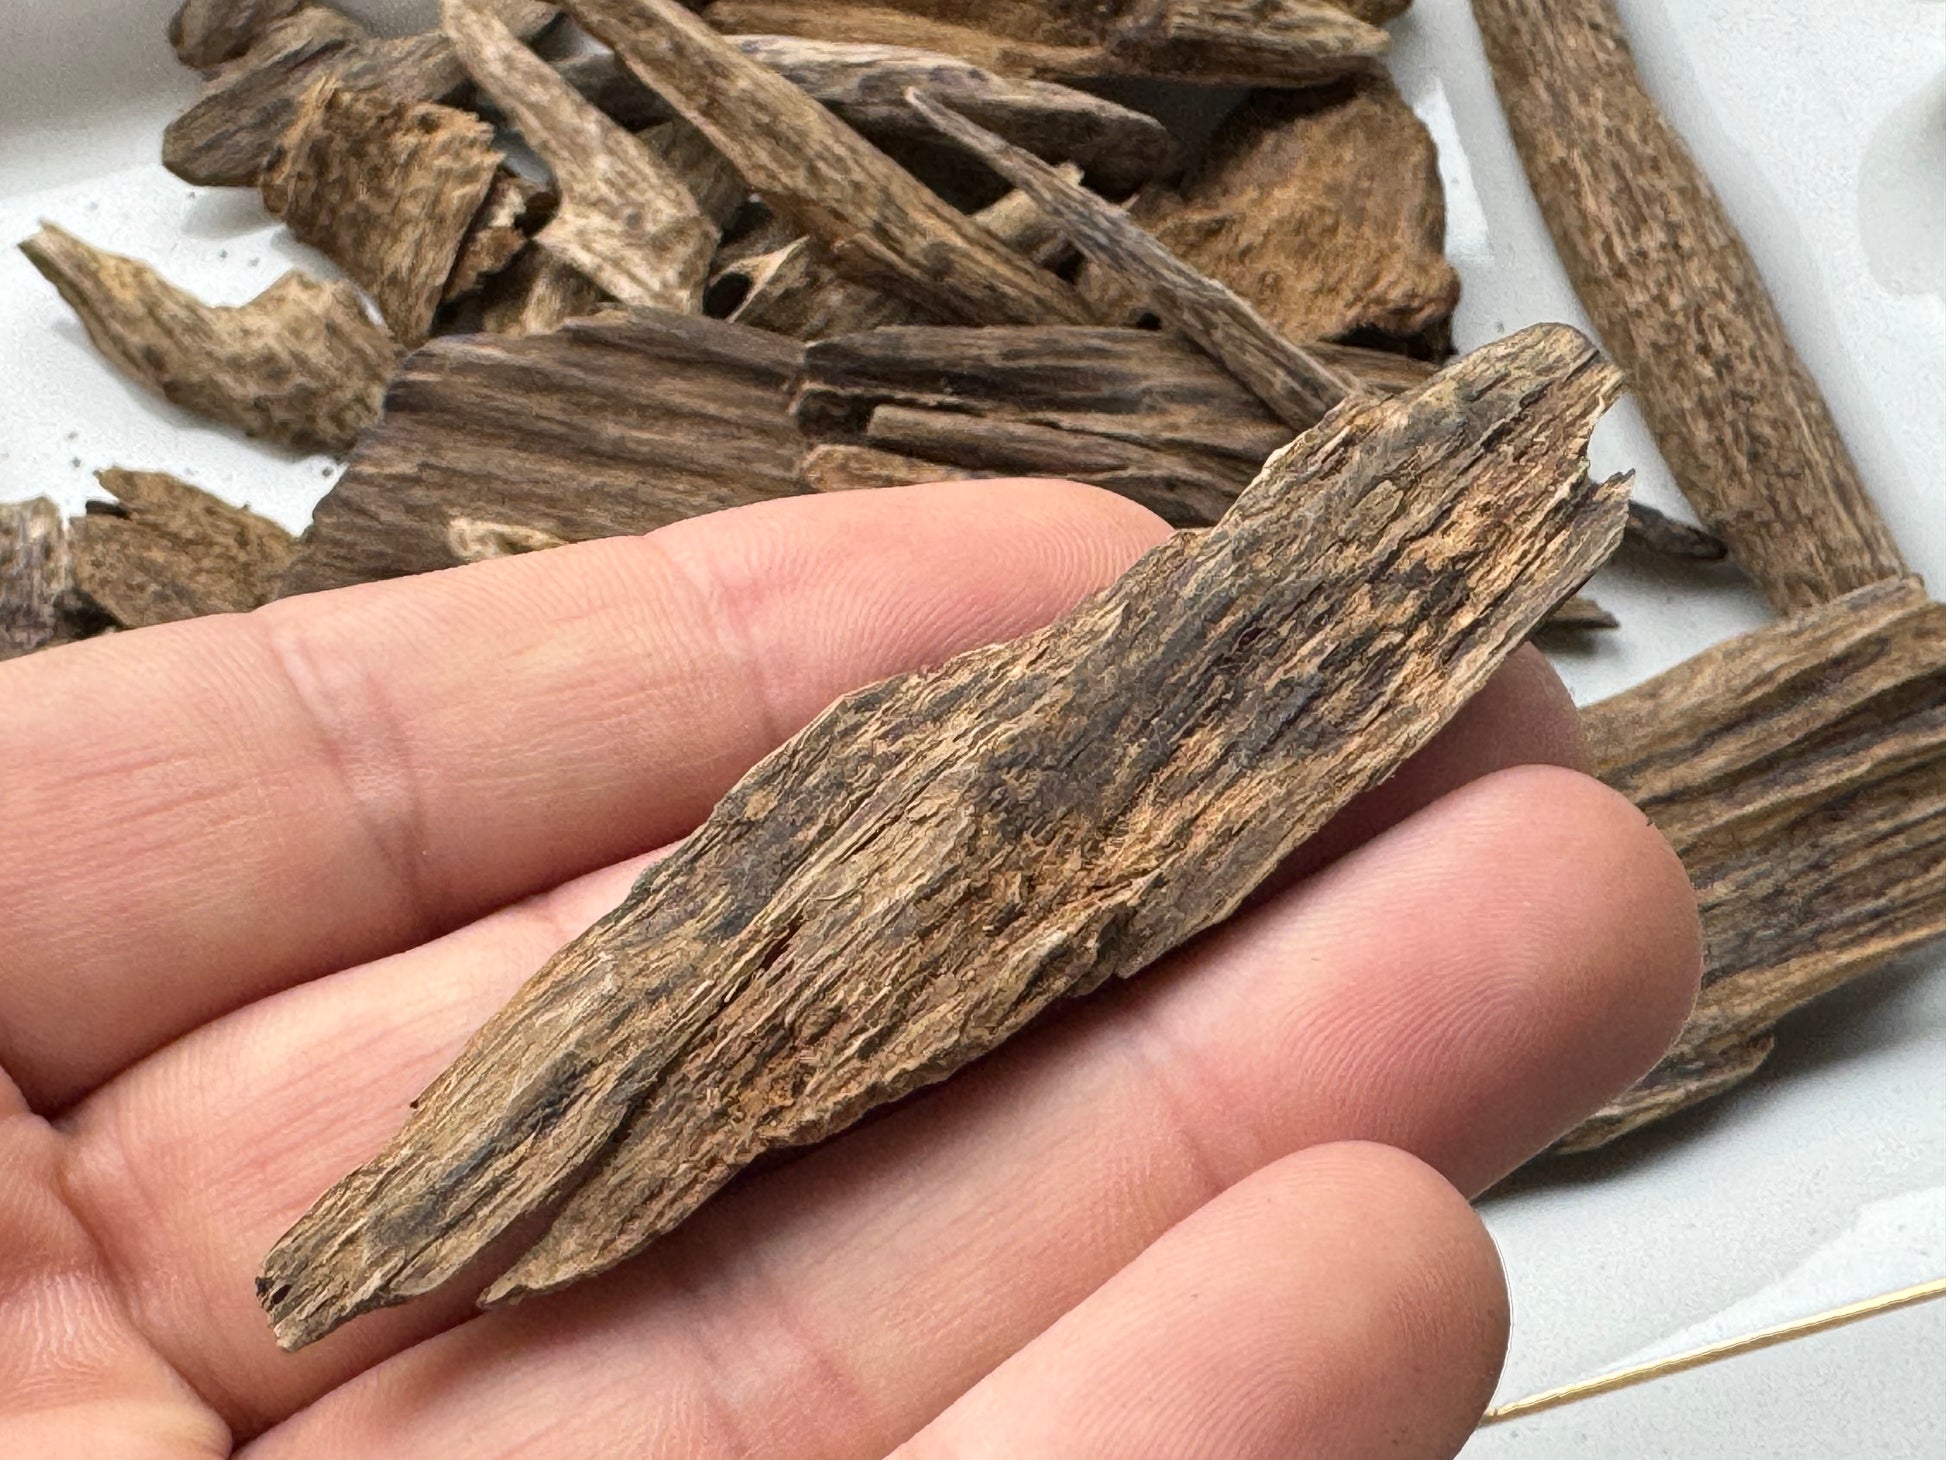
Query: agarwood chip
x=496, y=236
x=1578, y=615
x=626, y=219
x=536, y=295
x=1215, y=42
x=474, y=541
x=1659, y=533
x=388, y=189
x=1324, y=209
x=227, y=138
x=717, y=187
x=300, y=364
x=171, y=551
x=865, y=468
x=1800, y=773
x=612, y=426
x=881, y=225
x=937, y=859
x=37, y=596
x=1667, y=280
x=1292, y=381
x=206, y=33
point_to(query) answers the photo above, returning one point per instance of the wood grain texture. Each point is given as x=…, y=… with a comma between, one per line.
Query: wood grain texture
x=865, y=468
x=937, y=859
x=387, y=189
x=1667, y=280
x=613, y=425
x=1294, y=382
x=1800, y=773
x=206, y=33
x=626, y=219
x=496, y=236
x=1214, y=42
x=1323, y=209
x=882, y=226
x=228, y=136
x=536, y=295
x=1657, y=532
x=165, y=550
x=37, y=596
x=301, y=364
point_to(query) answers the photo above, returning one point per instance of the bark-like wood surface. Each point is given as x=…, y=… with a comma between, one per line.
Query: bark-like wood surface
x=1323, y=208
x=1294, y=382
x=866, y=85
x=626, y=218
x=881, y=225
x=388, y=189
x=36, y=578
x=228, y=136
x=165, y=550
x=614, y=425
x=300, y=364
x=1800, y=773
x=936, y=860
x=206, y=33
x=1667, y=280
x=1216, y=42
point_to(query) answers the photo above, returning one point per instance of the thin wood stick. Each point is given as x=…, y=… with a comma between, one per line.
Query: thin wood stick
x=1715, y=1352
x=1294, y=383
x=1678, y=299
x=882, y=225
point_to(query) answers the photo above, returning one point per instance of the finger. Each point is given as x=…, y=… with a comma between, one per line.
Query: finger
x=196, y=815
x=1341, y=1302
x=1464, y=987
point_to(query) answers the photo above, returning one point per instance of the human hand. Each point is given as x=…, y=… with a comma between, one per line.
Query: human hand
x=263, y=875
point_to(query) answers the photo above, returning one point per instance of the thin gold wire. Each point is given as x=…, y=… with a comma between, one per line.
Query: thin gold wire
x=1711, y=1353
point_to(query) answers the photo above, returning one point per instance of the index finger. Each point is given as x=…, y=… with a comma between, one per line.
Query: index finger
x=197, y=815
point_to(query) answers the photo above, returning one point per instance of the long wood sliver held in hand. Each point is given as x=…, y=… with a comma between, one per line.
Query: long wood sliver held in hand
x=937, y=859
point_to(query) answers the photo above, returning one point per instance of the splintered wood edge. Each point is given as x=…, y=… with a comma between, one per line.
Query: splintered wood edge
x=328, y=1268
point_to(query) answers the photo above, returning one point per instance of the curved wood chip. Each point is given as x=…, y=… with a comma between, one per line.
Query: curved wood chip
x=206, y=33
x=882, y=226
x=936, y=860
x=169, y=551
x=1292, y=381
x=1324, y=209
x=388, y=190
x=626, y=219
x=300, y=364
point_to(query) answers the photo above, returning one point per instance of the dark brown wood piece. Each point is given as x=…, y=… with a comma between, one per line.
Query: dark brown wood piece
x=497, y=235
x=1800, y=773
x=536, y=295
x=1577, y=616
x=626, y=219
x=1215, y=42
x=613, y=425
x=388, y=189
x=206, y=33
x=936, y=860
x=300, y=364
x=165, y=550
x=1668, y=282
x=881, y=225
x=1659, y=533
x=1294, y=382
x=1322, y=208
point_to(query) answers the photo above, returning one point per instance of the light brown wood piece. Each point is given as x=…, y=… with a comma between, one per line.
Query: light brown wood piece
x=612, y=426
x=36, y=578
x=865, y=468
x=1294, y=382
x=1667, y=280
x=536, y=295
x=626, y=219
x=1800, y=773
x=301, y=364
x=934, y=861
x=387, y=189
x=228, y=136
x=165, y=550
x=496, y=236
x=1214, y=42
x=1322, y=208
x=206, y=33
x=882, y=226
x=866, y=85
x=474, y=541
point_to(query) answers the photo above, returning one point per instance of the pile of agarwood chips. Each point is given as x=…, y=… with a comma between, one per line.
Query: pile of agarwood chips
x=632, y=263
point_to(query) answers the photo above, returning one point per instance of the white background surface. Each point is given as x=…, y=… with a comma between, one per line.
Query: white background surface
x=1824, y=127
